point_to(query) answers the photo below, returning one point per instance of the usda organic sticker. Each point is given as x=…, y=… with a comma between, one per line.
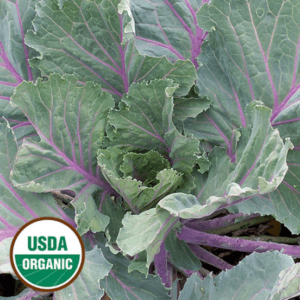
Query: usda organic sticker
x=47, y=254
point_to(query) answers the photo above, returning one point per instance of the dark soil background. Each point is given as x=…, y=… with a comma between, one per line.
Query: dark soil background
x=11, y=287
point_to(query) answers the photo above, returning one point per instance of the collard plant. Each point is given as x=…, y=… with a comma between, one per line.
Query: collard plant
x=155, y=129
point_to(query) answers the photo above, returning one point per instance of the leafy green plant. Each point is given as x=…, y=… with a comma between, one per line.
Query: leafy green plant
x=153, y=119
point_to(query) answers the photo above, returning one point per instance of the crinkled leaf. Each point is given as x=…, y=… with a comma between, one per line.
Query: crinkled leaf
x=141, y=179
x=77, y=38
x=70, y=121
x=253, y=278
x=155, y=23
x=259, y=169
x=86, y=285
x=284, y=201
x=252, y=55
x=189, y=107
x=144, y=122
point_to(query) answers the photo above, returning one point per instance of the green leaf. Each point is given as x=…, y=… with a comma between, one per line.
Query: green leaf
x=141, y=179
x=70, y=121
x=259, y=169
x=145, y=231
x=144, y=122
x=155, y=34
x=115, y=212
x=248, y=56
x=181, y=255
x=100, y=53
x=18, y=207
x=139, y=264
x=244, y=60
x=287, y=285
x=15, y=19
x=189, y=107
x=86, y=285
x=120, y=282
x=253, y=278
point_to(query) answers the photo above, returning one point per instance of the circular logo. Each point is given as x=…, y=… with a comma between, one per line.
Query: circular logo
x=47, y=254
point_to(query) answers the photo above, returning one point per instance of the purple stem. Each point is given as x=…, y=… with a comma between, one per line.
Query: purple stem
x=162, y=267
x=21, y=125
x=210, y=258
x=209, y=225
x=213, y=240
x=200, y=35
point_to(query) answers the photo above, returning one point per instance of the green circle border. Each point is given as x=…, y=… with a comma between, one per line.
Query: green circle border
x=16, y=270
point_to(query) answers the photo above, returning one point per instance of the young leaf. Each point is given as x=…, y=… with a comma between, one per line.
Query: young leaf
x=70, y=121
x=144, y=122
x=101, y=52
x=155, y=34
x=141, y=179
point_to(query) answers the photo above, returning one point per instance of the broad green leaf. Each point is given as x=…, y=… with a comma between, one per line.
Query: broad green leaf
x=86, y=285
x=155, y=34
x=259, y=169
x=17, y=207
x=249, y=56
x=253, y=278
x=15, y=19
x=70, y=121
x=77, y=38
x=244, y=60
x=145, y=231
x=144, y=122
x=285, y=199
x=120, y=283
x=141, y=179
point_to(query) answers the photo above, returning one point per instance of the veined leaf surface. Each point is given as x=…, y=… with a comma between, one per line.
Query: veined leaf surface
x=70, y=121
x=75, y=37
